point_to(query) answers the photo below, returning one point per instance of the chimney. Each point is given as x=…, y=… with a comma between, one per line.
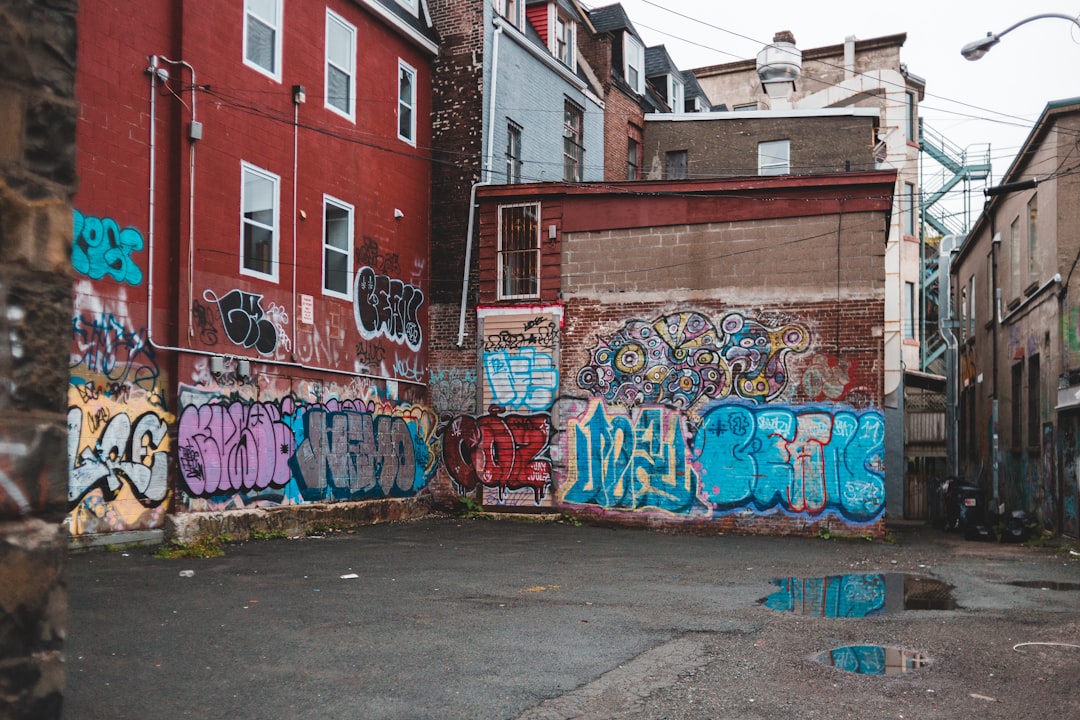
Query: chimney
x=849, y=57
x=779, y=65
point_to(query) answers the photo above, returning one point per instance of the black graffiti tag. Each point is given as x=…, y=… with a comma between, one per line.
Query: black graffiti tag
x=244, y=320
x=389, y=307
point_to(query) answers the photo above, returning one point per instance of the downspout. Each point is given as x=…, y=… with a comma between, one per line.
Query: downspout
x=194, y=134
x=295, y=213
x=486, y=174
x=952, y=366
x=152, y=71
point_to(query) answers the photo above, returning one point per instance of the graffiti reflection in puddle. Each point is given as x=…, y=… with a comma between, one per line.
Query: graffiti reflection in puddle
x=858, y=595
x=873, y=660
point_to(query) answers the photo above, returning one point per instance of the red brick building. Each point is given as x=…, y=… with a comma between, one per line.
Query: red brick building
x=695, y=352
x=251, y=247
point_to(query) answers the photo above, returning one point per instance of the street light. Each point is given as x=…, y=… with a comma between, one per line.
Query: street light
x=978, y=48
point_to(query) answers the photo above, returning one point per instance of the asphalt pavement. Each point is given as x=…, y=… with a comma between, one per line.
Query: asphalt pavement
x=473, y=618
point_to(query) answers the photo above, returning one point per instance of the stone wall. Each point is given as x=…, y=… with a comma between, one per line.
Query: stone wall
x=37, y=177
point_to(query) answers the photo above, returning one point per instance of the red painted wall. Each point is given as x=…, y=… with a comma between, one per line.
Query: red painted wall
x=140, y=372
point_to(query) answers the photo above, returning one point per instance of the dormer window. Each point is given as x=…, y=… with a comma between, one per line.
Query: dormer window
x=411, y=5
x=511, y=10
x=676, y=92
x=634, y=63
x=563, y=40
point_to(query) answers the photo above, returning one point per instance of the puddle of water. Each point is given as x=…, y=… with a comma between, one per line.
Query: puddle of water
x=873, y=660
x=857, y=596
x=1046, y=584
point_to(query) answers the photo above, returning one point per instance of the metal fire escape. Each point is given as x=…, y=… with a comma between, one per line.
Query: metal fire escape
x=947, y=174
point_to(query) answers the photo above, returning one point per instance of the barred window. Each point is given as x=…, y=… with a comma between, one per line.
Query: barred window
x=519, y=251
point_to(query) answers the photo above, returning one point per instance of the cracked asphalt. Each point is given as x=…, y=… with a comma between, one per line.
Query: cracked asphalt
x=455, y=618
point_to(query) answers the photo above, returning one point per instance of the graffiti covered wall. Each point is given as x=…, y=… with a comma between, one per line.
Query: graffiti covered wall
x=259, y=437
x=743, y=419
x=251, y=442
x=505, y=452
x=118, y=411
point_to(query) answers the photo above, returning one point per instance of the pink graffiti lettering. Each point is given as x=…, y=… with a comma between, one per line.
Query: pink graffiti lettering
x=234, y=447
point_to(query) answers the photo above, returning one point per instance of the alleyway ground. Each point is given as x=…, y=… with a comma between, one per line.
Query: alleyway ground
x=484, y=619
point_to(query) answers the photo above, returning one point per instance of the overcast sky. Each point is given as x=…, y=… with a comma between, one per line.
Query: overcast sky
x=994, y=100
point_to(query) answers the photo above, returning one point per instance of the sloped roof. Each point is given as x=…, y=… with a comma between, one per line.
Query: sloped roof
x=419, y=23
x=612, y=18
x=658, y=62
x=693, y=90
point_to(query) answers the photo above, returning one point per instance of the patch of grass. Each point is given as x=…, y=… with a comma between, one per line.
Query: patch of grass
x=268, y=534
x=469, y=509
x=570, y=520
x=204, y=547
x=1039, y=537
x=827, y=534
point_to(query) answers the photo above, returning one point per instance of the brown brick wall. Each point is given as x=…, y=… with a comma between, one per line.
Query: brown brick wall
x=457, y=132
x=728, y=146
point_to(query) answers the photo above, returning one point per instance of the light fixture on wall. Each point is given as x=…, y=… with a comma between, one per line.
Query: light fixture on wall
x=398, y=214
x=243, y=369
x=217, y=365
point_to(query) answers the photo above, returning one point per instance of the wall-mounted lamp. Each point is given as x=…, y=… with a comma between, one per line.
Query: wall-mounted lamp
x=243, y=369
x=217, y=365
x=552, y=231
x=398, y=214
x=299, y=95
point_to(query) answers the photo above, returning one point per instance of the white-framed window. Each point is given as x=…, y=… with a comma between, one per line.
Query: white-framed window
x=513, y=153
x=634, y=63
x=963, y=314
x=1015, y=254
x=911, y=117
x=676, y=94
x=260, y=231
x=633, y=158
x=412, y=6
x=337, y=247
x=573, y=141
x=262, y=36
x=340, y=65
x=406, y=102
x=774, y=157
x=519, y=251
x=511, y=10
x=971, y=306
x=563, y=40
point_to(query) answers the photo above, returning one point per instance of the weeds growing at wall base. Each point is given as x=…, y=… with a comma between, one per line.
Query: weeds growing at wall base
x=204, y=547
